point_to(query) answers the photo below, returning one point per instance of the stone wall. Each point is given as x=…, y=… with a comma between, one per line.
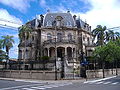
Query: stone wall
x=99, y=73
x=29, y=74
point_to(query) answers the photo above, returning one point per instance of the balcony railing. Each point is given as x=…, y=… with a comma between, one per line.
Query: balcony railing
x=63, y=40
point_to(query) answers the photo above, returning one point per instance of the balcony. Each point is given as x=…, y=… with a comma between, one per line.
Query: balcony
x=63, y=40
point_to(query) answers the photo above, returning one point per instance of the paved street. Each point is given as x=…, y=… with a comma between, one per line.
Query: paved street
x=100, y=84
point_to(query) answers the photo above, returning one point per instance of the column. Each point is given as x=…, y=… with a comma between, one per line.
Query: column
x=65, y=52
x=48, y=51
x=72, y=53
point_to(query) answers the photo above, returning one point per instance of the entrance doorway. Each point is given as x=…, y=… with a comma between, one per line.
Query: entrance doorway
x=60, y=52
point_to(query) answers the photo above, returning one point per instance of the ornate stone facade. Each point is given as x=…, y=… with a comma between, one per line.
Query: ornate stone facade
x=57, y=35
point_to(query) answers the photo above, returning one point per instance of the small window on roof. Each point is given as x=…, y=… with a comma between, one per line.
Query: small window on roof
x=49, y=23
x=69, y=23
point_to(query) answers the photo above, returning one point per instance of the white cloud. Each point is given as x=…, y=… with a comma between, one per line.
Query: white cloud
x=103, y=12
x=14, y=22
x=9, y=20
x=44, y=4
x=14, y=51
x=20, y=5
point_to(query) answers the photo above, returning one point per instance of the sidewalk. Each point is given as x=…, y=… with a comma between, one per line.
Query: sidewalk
x=54, y=81
x=45, y=81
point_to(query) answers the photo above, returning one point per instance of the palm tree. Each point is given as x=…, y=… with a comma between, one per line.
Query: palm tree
x=7, y=43
x=1, y=43
x=99, y=33
x=24, y=32
x=117, y=35
x=111, y=35
x=2, y=53
x=24, y=35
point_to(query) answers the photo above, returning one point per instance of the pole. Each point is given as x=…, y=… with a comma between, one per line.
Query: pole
x=24, y=53
x=55, y=54
x=116, y=67
x=81, y=47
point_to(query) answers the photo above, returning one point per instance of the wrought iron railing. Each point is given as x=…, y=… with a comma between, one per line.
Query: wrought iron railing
x=63, y=40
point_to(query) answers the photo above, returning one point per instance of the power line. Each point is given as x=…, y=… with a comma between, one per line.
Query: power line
x=9, y=27
x=9, y=21
x=113, y=28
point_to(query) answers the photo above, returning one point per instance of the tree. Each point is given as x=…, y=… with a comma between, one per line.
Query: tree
x=100, y=52
x=111, y=35
x=99, y=33
x=109, y=52
x=1, y=43
x=24, y=32
x=24, y=35
x=2, y=53
x=114, y=52
x=7, y=43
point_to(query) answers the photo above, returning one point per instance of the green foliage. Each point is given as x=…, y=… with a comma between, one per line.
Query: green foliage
x=99, y=34
x=45, y=58
x=1, y=43
x=24, y=32
x=103, y=36
x=7, y=43
x=90, y=58
x=2, y=55
x=108, y=52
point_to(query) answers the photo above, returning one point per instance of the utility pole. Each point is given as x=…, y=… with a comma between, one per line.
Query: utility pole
x=55, y=50
x=81, y=54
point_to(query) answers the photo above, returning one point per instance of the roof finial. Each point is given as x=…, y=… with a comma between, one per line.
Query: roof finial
x=68, y=11
x=48, y=10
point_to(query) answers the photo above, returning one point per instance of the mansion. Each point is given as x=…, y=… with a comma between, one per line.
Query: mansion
x=60, y=36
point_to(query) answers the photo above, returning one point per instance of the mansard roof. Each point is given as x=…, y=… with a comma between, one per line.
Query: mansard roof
x=67, y=19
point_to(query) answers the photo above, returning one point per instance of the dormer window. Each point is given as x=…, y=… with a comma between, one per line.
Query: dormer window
x=49, y=23
x=58, y=21
x=68, y=23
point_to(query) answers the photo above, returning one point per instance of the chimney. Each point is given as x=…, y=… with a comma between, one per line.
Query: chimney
x=74, y=17
x=68, y=11
x=41, y=18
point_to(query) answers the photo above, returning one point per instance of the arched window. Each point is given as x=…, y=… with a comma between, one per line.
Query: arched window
x=59, y=36
x=49, y=36
x=27, y=54
x=20, y=54
x=70, y=37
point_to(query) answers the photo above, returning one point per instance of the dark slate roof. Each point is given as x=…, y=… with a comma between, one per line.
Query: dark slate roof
x=67, y=17
x=66, y=20
x=83, y=25
x=34, y=23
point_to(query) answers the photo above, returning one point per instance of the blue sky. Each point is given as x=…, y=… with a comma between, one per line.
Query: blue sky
x=103, y=12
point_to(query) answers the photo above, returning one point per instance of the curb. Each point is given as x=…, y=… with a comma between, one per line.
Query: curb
x=44, y=81
x=93, y=81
